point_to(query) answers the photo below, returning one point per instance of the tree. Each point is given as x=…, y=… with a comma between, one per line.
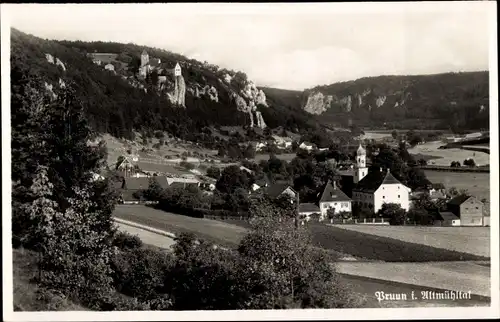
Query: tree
x=287, y=270
x=455, y=164
x=396, y=214
x=394, y=134
x=155, y=192
x=420, y=216
x=213, y=172
x=469, y=162
x=232, y=178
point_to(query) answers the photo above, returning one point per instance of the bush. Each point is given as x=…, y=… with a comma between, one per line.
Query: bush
x=140, y=272
x=126, y=241
x=187, y=165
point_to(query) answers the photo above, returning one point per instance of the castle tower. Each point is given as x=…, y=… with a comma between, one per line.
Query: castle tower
x=144, y=58
x=360, y=171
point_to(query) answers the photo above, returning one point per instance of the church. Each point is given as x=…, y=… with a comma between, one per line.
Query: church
x=370, y=190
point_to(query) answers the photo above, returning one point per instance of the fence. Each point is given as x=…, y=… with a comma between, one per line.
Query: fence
x=361, y=221
x=451, y=169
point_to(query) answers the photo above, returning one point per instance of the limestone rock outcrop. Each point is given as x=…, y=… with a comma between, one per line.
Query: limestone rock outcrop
x=50, y=58
x=317, y=103
x=380, y=100
x=60, y=63
x=178, y=97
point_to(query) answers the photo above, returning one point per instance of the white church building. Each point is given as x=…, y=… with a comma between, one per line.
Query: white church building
x=373, y=189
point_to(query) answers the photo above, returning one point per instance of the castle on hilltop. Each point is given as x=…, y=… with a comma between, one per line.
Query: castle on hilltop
x=149, y=64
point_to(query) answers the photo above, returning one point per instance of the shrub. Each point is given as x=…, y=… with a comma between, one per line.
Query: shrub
x=140, y=272
x=126, y=241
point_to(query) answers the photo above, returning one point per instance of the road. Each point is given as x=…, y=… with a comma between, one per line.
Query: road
x=369, y=277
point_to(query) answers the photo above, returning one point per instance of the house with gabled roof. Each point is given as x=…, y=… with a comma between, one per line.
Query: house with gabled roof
x=278, y=189
x=379, y=187
x=333, y=197
x=468, y=208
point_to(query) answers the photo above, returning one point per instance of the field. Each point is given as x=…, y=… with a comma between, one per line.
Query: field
x=478, y=184
x=359, y=245
x=372, y=247
x=471, y=240
x=172, y=149
x=212, y=230
x=446, y=156
x=284, y=156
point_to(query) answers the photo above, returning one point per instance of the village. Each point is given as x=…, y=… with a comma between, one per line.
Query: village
x=353, y=190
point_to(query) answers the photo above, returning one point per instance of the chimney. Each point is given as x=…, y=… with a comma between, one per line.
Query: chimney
x=334, y=184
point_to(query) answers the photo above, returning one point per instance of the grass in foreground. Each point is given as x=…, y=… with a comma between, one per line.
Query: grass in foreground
x=28, y=296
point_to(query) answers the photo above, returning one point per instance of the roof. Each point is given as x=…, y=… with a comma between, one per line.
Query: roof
x=308, y=207
x=183, y=185
x=143, y=182
x=123, y=161
x=128, y=195
x=277, y=189
x=361, y=150
x=458, y=200
x=171, y=181
x=154, y=62
x=446, y=215
x=104, y=57
x=374, y=180
x=438, y=185
x=263, y=181
x=332, y=193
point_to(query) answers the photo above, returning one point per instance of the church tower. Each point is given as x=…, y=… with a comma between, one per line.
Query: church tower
x=360, y=171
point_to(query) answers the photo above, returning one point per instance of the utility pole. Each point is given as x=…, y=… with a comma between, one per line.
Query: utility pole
x=297, y=211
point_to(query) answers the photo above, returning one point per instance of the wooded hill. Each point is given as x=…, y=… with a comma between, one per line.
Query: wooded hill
x=113, y=105
x=449, y=101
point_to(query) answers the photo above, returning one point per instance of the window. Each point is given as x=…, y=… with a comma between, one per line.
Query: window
x=383, y=188
x=477, y=207
x=335, y=204
x=399, y=196
x=383, y=197
x=398, y=187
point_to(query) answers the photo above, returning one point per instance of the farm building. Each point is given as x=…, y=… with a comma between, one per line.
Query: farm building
x=447, y=219
x=468, y=208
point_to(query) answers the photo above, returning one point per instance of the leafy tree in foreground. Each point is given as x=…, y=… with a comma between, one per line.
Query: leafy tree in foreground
x=396, y=214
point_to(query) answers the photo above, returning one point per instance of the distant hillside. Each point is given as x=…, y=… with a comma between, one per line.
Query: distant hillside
x=455, y=101
x=118, y=102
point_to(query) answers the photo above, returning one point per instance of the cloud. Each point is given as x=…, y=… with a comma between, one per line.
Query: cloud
x=297, y=49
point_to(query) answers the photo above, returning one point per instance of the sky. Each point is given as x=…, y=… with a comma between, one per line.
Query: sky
x=292, y=46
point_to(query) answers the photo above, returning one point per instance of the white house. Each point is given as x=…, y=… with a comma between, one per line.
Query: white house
x=334, y=198
x=306, y=146
x=109, y=67
x=260, y=145
x=379, y=187
x=177, y=70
